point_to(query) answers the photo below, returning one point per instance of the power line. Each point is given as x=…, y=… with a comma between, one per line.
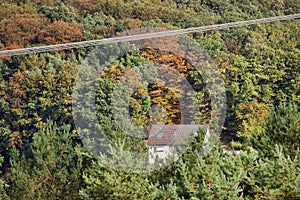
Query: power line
x=40, y=49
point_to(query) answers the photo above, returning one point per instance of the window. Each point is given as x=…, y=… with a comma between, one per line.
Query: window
x=160, y=134
x=160, y=150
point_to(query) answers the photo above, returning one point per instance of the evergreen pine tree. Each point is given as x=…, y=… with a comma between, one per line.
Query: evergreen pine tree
x=49, y=169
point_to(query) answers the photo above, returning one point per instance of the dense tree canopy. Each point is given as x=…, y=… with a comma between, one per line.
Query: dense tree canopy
x=42, y=155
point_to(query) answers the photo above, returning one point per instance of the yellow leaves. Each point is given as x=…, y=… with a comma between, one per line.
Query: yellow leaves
x=142, y=91
x=158, y=114
x=114, y=72
x=252, y=110
x=17, y=87
x=169, y=59
x=16, y=139
x=166, y=91
x=252, y=116
x=167, y=95
x=31, y=62
x=45, y=102
x=170, y=104
x=155, y=93
x=158, y=100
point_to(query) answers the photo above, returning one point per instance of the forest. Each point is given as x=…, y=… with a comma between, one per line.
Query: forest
x=44, y=154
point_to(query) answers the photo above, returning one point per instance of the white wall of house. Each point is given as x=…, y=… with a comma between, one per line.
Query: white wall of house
x=161, y=152
x=167, y=152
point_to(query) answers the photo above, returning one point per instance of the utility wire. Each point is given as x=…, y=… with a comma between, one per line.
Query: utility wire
x=40, y=49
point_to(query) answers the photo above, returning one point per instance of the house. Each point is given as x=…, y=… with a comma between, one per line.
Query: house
x=164, y=141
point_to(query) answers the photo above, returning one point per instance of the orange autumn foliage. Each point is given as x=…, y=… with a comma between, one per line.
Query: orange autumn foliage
x=19, y=25
x=60, y=32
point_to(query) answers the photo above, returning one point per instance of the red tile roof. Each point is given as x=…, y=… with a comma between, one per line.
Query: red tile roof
x=172, y=134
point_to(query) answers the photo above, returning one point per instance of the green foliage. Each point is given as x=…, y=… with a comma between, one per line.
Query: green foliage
x=277, y=178
x=4, y=108
x=39, y=89
x=49, y=169
x=60, y=12
x=259, y=64
x=104, y=182
x=281, y=127
x=3, y=194
x=98, y=25
x=226, y=175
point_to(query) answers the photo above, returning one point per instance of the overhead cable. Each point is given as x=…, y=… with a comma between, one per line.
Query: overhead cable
x=39, y=49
